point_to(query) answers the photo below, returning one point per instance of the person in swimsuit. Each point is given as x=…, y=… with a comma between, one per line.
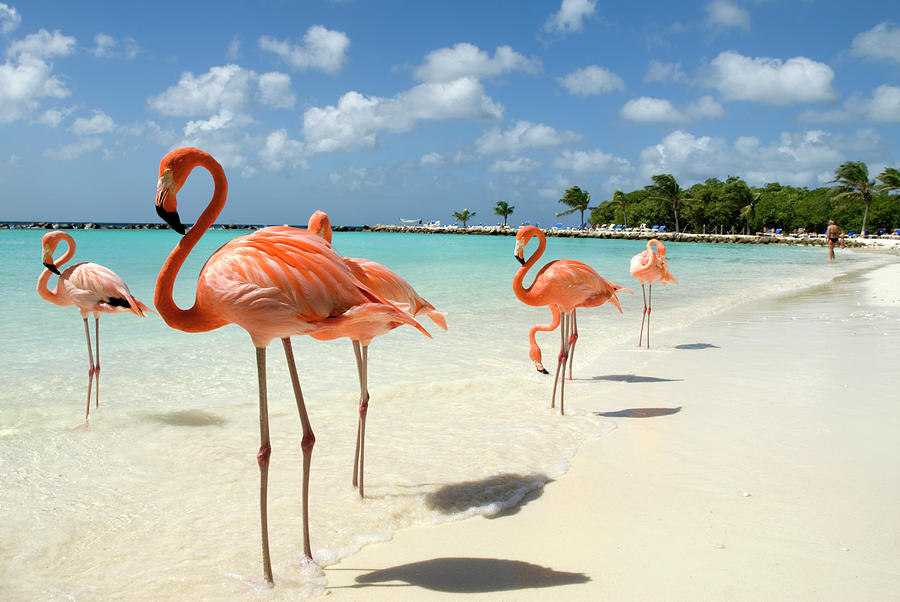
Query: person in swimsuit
x=833, y=234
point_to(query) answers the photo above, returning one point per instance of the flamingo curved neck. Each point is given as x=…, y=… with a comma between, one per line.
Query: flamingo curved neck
x=194, y=319
x=42, y=288
x=520, y=290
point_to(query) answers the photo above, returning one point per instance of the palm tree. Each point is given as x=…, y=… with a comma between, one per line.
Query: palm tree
x=853, y=177
x=504, y=209
x=464, y=216
x=577, y=200
x=890, y=179
x=666, y=188
x=749, y=211
x=620, y=200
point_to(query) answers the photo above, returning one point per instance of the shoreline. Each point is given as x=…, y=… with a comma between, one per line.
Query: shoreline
x=751, y=459
x=688, y=237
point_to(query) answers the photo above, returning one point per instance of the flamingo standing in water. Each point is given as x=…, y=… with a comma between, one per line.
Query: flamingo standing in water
x=275, y=283
x=566, y=284
x=92, y=288
x=391, y=286
x=649, y=266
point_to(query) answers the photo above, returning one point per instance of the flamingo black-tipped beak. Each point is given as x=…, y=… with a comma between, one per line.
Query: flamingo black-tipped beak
x=543, y=371
x=171, y=218
x=522, y=261
x=51, y=267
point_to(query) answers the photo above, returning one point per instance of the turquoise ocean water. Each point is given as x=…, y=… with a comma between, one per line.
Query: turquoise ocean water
x=157, y=498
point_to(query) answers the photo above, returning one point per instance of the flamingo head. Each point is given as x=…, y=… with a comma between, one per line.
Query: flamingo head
x=535, y=354
x=173, y=171
x=524, y=235
x=48, y=245
x=320, y=225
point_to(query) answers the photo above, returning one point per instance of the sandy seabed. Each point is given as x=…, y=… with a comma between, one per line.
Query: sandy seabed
x=754, y=458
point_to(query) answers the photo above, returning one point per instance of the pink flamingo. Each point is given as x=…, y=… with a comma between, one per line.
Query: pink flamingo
x=92, y=288
x=566, y=284
x=650, y=266
x=398, y=291
x=275, y=283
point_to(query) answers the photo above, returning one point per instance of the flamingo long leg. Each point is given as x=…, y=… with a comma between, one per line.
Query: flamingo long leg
x=562, y=381
x=559, y=358
x=649, y=309
x=306, y=443
x=362, y=367
x=97, y=365
x=573, y=338
x=644, y=315
x=262, y=458
x=87, y=336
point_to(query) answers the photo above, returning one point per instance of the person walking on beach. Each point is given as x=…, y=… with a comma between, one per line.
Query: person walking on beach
x=833, y=234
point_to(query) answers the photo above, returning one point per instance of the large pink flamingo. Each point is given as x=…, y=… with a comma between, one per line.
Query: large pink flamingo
x=275, y=283
x=649, y=266
x=92, y=288
x=398, y=291
x=566, y=284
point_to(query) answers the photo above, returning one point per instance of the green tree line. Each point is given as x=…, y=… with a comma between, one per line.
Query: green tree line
x=856, y=203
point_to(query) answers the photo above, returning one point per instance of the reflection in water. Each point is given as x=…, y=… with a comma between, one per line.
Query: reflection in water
x=473, y=575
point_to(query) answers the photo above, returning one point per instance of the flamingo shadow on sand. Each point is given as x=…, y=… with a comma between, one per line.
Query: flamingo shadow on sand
x=640, y=413
x=470, y=575
x=697, y=346
x=634, y=378
x=507, y=492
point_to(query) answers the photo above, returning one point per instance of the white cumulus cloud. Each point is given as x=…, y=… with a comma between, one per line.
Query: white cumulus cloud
x=882, y=42
x=280, y=151
x=592, y=80
x=73, y=151
x=595, y=161
x=514, y=165
x=795, y=159
x=9, y=18
x=23, y=83
x=357, y=119
x=721, y=14
x=521, y=136
x=570, y=16
x=665, y=73
x=321, y=48
x=770, y=80
x=98, y=123
x=106, y=46
x=646, y=109
x=467, y=60
x=433, y=159
x=42, y=45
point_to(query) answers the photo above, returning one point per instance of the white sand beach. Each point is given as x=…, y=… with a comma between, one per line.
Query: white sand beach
x=754, y=458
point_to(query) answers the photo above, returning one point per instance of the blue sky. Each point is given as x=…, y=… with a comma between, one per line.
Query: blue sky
x=380, y=110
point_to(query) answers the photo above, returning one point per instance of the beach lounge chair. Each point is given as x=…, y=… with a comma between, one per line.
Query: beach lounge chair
x=851, y=233
x=662, y=228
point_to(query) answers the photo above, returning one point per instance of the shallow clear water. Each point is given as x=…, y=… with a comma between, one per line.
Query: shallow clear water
x=158, y=496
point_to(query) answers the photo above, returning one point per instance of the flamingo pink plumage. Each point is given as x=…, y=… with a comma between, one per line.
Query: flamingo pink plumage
x=649, y=266
x=92, y=288
x=566, y=284
x=275, y=283
x=398, y=291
